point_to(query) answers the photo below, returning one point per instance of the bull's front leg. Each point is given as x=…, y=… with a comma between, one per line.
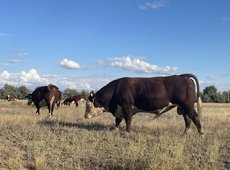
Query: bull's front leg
x=48, y=105
x=38, y=108
x=52, y=109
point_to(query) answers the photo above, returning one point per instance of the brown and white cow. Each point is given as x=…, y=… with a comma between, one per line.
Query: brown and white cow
x=43, y=103
x=125, y=97
x=11, y=98
x=77, y=98
x=67, y=101
x=50, y=94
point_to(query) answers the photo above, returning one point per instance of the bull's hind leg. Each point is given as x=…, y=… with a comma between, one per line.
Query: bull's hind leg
x=187, y=123
x=190, y=113
x=128, y=116
x=196, y=121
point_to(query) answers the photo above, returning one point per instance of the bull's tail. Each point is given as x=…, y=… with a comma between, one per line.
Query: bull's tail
x=199, y=107
x=199, y=101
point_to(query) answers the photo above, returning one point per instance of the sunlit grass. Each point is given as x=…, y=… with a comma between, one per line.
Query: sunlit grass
x=68, y=141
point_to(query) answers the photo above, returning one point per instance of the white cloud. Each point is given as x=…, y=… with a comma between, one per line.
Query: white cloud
x=22, y=54
x=15, y=61
x=139, y=65
x=154, y=5
x=31, y=76
x=32, y=79
x=5, y=75
x=69, y=64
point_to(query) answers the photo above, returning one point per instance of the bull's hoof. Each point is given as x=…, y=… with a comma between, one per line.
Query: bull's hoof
x=202, y=134
x=116, y=129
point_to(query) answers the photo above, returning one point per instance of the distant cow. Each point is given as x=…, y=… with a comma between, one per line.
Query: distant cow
x=67, y=101
x=11, y=98
x=77, y=98
x=50, y=94
x=125, y=97
x=43, y=102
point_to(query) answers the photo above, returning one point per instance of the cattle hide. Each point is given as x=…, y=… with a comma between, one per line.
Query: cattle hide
x=11, y=98
x=125, y=97
x=77, y=98
x=49, y=93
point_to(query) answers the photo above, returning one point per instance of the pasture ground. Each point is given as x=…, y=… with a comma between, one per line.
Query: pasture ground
x=68, y=141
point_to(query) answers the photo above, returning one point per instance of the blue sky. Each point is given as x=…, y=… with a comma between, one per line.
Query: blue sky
x=84, y=44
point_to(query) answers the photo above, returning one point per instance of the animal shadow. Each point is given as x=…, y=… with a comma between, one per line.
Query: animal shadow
x=80, y=125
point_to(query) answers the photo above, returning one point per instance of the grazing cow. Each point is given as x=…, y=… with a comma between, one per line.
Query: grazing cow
x=29, y=99
x=125, y=97
x=11, y=98
x=67, y=101
x=49, y=93
x=42, y=103
x=77, y=98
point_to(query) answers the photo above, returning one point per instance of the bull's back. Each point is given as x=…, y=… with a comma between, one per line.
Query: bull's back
x=144, y=93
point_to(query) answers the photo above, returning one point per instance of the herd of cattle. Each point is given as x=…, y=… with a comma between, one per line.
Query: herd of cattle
x=126, y=96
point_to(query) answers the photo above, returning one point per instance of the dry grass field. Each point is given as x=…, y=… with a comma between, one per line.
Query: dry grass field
x=68, y=141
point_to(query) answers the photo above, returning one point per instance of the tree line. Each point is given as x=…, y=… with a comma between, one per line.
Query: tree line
x=22, y=91
x=209, y=94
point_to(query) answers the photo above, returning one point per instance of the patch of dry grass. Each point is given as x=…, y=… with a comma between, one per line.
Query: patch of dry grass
x=68, y=141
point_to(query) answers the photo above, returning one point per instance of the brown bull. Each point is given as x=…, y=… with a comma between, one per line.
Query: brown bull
x=50, y=94
x=67, y=101
x=77, y=98
x=125, y=97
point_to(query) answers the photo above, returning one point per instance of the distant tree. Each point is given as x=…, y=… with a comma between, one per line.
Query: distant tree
x=19, y=92
x=69, y=93
x=205, y=98
x=23, y=91
x=8, y=90
x=210, y=90
x=210, y=93
x=226, y=96
x=85, y=93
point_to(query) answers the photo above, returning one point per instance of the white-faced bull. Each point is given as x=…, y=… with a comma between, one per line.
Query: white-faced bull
x=125, y=97
x=50, y=94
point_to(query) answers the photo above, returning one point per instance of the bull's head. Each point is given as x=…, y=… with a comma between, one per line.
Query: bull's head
x=91, y=110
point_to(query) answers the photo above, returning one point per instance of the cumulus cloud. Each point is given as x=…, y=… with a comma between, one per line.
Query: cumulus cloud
x=139, y=65
x=31, y=76
x=69, y=64
x=154, y=5
x=5, y=75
